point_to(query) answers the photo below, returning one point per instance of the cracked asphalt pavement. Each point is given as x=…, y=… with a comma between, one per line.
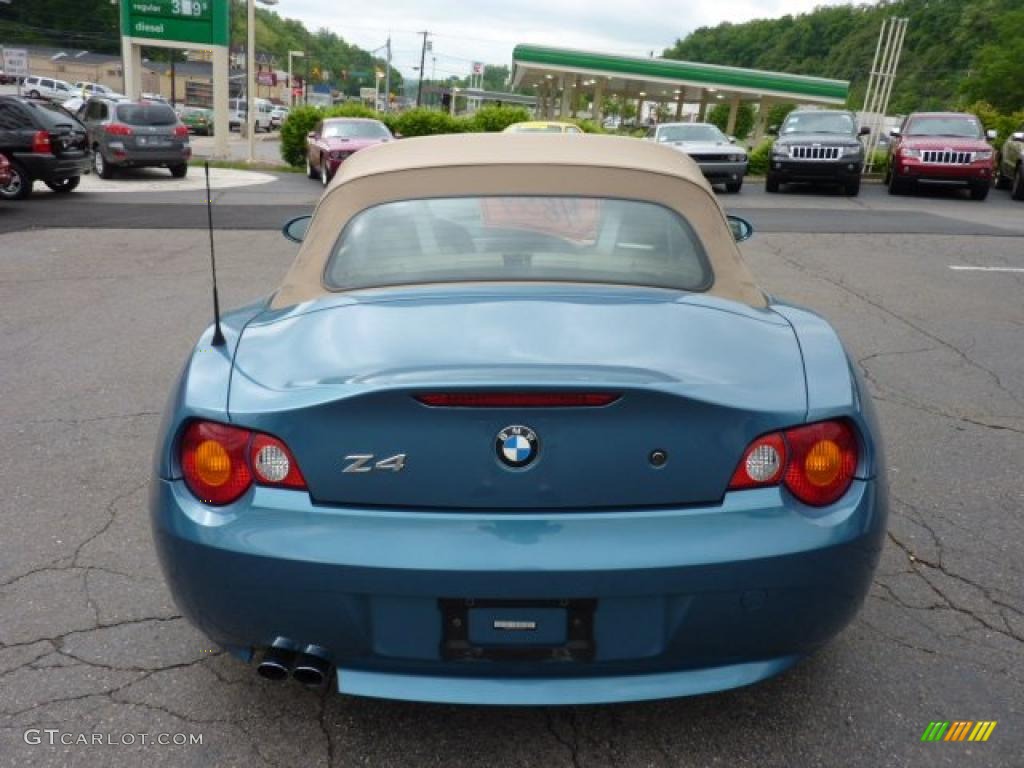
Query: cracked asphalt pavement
x=96, y=320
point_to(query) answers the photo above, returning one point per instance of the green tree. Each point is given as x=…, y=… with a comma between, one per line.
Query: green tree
x=996, y=73
x=719, y=115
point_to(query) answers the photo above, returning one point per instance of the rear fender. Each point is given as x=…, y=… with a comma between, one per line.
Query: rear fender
x=201, y=389
x=835, y=388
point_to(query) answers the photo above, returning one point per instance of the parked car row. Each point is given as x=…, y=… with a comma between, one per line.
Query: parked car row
x=929, y=148
x=43, y=141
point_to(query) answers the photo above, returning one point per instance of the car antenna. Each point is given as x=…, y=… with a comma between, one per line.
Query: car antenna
x=218, y=336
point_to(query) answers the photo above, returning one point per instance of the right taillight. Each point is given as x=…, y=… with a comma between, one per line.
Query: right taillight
x=816, y=462
x=220, y=462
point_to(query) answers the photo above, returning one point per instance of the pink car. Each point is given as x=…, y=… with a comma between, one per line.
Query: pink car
x=335, y=139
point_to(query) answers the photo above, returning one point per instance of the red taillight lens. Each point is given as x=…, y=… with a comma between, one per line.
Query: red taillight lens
x=41, y=143
x=273, y=464
x=118, y=129
x=816, y=462
x=517, y=399
x=220, y=462
x=181, y=131
x=823, y=461
x=214, y=461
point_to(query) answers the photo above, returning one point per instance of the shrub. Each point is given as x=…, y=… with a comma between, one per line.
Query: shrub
x=351, y=109
x=494, y=118
x=427, y=122
x=587, y=126
x=759, y=158
x=300, y=121
x=880, y=161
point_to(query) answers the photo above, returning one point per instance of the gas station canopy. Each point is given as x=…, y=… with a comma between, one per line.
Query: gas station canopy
x=551, y=70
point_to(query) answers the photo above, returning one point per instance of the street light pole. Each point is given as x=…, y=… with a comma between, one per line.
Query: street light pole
x=387, y=80
x=250, y=75
x=291, y=81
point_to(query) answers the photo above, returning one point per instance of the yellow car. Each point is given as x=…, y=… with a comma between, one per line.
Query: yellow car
x=543, y=126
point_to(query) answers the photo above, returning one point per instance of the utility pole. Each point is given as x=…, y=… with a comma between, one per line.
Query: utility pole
x=423, y=60
x=387, y=79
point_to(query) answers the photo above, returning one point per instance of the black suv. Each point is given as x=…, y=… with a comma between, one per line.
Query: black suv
x=817, y=146
x=42, y=141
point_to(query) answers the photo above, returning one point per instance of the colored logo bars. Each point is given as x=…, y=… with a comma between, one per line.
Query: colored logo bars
x=959, y=730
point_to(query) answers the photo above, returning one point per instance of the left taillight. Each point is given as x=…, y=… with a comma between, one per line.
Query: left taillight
x=41, y=144
x=220, y=462
x=816, y=462
x=181, y=131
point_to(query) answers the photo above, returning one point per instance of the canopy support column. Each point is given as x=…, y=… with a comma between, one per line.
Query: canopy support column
x=598, y=110
x=734, y=109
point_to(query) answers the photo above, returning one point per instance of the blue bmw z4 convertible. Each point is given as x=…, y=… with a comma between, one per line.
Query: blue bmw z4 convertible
x=518, y=427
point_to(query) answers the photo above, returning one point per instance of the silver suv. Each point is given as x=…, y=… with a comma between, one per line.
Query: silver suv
x=135, y=134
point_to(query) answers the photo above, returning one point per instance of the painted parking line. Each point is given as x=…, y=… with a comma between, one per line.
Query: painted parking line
x=966, y=268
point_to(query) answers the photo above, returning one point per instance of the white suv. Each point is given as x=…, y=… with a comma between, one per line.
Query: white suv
x=47, y=88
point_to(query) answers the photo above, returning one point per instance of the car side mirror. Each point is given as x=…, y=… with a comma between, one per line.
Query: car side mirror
x=732, y=139
x=1018, y=136
x=295, y=229
x=895, y=133
x=741, y=228
x=311, y=135
x=990, y=134
x=397, y=135
x=773, y=130
x=864, y=131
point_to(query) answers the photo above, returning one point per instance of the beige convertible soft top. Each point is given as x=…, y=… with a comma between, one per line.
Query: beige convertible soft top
x=483, y=164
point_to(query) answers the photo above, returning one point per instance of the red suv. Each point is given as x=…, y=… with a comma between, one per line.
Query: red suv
x=942, y=147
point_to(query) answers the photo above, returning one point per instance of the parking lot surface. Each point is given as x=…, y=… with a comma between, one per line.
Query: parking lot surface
x=102, y=296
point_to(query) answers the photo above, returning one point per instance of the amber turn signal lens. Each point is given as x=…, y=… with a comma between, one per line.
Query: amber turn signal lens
x=213, y=465
x=823, y=463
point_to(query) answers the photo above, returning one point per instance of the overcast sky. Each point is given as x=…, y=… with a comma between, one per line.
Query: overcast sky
x=463, y=32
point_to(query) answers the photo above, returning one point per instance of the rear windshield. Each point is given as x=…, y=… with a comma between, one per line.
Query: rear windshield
x=54, y=115
x=958, y=126
x=561, y=239
x=536, y=129
x=146, y=114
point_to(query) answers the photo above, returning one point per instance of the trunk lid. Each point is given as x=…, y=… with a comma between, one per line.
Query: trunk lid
x=694, y=377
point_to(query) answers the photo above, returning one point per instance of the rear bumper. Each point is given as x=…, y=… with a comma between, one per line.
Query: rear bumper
x=688, y=600
x=52, y=167
x=142, y=158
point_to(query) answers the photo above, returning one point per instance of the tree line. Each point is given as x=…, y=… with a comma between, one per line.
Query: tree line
x=956, y=52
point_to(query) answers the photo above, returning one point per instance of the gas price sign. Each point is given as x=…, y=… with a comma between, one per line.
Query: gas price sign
x=185, y=21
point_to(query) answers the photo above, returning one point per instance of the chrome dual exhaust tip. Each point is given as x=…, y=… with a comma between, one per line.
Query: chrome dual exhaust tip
x=312, y=666
x=276, y=664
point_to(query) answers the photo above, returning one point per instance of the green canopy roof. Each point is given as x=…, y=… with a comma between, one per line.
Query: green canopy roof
x=750, y=81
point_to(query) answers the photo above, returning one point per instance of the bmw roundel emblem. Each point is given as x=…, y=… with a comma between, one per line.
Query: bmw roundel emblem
x=517, y=446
